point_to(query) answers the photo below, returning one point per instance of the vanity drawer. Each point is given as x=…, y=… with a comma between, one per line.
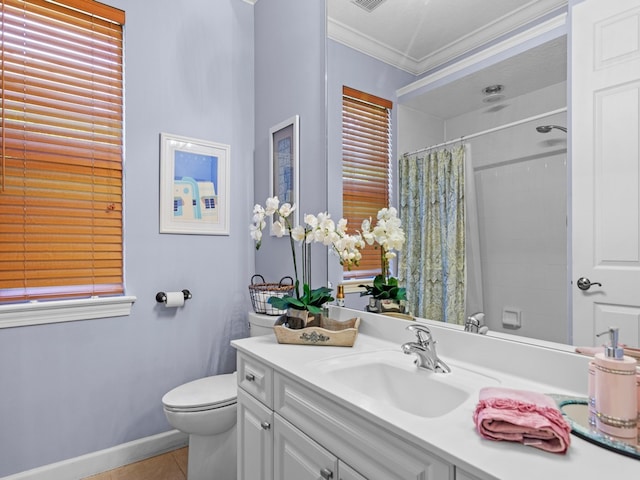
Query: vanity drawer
x=255, y=378
x=373, y=452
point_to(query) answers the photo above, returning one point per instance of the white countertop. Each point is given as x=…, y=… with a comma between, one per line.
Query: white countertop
x=453, y=436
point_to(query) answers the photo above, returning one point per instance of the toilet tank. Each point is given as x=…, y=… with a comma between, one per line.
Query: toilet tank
x=260, y=324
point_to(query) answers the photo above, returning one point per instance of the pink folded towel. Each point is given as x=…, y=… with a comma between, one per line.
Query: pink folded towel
x=519, y=416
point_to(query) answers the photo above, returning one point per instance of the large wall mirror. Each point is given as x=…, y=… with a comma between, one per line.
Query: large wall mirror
x=508, y=102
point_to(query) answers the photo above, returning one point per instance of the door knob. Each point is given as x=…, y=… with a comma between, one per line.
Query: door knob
x=585, y=284
x=265, y=425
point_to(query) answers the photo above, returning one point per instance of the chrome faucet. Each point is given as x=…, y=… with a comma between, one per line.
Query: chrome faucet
x=425, y=350
x=475, y=324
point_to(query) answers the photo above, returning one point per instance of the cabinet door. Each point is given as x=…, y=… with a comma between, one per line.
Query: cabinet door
x=371, y=451
x=297, y=457
x=255, y=439
x=345, y=472
x=462, y=475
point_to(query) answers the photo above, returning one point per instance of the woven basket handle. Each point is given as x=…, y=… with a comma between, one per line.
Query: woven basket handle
x=258, y=276
x=285, y=278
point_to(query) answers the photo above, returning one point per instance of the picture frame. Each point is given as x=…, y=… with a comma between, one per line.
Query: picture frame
x=194, y=186
x=284, y=171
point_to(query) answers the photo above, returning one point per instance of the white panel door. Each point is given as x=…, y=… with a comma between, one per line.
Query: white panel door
x=605, y=139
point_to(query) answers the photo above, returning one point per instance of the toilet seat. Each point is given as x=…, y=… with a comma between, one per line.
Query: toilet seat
x=204, y=394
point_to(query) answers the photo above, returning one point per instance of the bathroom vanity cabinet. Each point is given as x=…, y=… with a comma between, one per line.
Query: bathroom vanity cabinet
x=288, y=431
x=297, y=419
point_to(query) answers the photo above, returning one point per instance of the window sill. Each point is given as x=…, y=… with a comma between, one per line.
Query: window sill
x=352, y=286
x=56, y=311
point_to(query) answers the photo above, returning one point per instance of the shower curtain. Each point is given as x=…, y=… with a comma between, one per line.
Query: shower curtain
x=474, y=294
x=432, y=209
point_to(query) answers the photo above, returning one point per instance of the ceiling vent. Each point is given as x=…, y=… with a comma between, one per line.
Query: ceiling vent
x=368, y=5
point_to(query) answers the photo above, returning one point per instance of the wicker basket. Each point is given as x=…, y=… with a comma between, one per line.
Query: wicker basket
x=260, y=293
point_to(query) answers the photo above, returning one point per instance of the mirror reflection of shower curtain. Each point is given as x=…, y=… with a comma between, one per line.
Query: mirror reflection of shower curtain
x=432, y=210
x=474, y=302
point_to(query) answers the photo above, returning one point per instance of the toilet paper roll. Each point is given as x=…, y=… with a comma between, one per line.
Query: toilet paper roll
x=174, y=299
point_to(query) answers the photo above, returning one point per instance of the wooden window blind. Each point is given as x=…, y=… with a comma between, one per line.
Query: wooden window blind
x=61, y=105
x=366, y=174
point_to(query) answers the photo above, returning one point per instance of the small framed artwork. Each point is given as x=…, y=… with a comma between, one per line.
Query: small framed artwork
x=284, y=152
x=194, y=186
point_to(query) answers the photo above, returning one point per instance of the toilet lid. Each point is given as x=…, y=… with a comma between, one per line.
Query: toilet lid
x=203, y=394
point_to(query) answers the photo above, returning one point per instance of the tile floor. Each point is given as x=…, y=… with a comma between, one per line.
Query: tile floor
x=168, y=466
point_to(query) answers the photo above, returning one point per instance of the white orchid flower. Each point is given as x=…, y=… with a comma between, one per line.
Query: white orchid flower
x=272, y=205
x=278, y=228
x=311, y=220
x=256, y=232
x=325, y=222
x=316, y=228
x=342, y=226
x=258, y=217
x=298, y=233
x=286, y=209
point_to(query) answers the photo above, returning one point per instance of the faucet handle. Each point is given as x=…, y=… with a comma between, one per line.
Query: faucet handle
x=422, y=332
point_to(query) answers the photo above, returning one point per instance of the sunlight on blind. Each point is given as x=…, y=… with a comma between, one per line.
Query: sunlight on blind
x=366, y=167
x=62, y=115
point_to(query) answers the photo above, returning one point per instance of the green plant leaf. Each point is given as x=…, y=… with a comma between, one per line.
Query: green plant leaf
x=311, y=300
x=384, y=289
x=313, y=309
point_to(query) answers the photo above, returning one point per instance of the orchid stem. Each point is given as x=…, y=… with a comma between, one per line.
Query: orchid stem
x=293, y=254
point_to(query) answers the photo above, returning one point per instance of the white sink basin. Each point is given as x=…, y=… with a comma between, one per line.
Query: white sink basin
x=390, y=377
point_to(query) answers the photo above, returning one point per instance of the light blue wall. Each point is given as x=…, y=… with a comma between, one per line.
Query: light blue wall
x=290, y=44
x=71, y=388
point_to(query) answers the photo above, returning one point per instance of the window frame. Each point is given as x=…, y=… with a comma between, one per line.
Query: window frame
x=61, y=309
x=351, y=97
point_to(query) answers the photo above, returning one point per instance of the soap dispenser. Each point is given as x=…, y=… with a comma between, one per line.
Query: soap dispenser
x=616, y=401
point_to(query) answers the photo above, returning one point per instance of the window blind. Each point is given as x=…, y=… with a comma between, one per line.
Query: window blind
x=61, y=105
x=366, y=174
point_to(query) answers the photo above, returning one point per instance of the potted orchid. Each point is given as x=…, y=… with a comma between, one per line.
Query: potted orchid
x=320, y=229
x=388, y=236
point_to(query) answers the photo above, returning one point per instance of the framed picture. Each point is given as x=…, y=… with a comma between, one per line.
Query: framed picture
x=194, y=186
x=285, y=171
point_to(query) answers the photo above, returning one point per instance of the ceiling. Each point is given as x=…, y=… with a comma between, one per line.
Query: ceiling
x=529, y=71
x=419, y=35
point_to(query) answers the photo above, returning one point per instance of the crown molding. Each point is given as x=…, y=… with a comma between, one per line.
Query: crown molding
x=370, y=46
x=502, y=26
x=554, y=26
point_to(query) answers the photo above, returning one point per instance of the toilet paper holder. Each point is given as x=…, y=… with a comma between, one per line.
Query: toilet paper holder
x=161, y=297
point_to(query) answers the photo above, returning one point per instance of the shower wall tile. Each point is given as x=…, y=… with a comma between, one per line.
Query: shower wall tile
x=523, y=238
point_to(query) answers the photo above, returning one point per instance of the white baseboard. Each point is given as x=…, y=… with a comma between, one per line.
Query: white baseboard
x=103, y=460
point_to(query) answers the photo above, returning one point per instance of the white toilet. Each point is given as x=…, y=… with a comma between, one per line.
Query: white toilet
x=206, y=410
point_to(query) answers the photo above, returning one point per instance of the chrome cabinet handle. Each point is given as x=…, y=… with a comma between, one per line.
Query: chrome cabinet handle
x=265, y=425
x=326, y=473
x=585, y=284
x=250, y=377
